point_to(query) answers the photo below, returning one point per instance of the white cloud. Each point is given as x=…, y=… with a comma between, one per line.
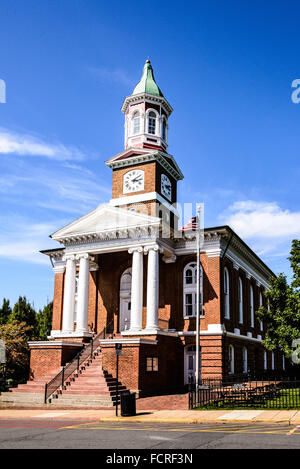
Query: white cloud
x=29, y=145
x=21, y=239
x=263, y=219
x=267, y=227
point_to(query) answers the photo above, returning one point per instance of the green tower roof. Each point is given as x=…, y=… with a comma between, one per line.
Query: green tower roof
x=147, y=83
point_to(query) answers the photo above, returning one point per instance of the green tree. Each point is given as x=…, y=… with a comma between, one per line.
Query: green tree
x=5, y=311
x=23, y=312
x=44, y=321
x=282, y=316
x=15, y=335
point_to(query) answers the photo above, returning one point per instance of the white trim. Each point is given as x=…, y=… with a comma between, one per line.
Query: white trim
x=120, y=161
x=251, y=306
x=149, y=332
x=132, y=199
x=53, y=343
x=231, y=359
x=218, y=329
x=128, y=341
x=241, y=300
x=226, y=292
x=57, y=333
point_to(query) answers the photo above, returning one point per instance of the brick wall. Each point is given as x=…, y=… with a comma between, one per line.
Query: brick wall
x=49, y=357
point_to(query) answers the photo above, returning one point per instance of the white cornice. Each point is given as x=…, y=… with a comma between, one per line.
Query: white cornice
x=145, y=97
x=133, y=199
x=135, y=340
x=159, y=156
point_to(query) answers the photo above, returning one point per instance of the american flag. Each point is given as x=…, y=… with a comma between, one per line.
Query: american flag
x=191, y=225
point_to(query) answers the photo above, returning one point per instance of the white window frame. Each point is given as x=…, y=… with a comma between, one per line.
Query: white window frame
x=156, y=133
x=135, y=116
x=191, y=289
x=231, y=359
x=245, y=360
x=272, y=361
x=261, y=304
x=226, y=290
x=265, y=360
x=241, y=299
x=251, y=306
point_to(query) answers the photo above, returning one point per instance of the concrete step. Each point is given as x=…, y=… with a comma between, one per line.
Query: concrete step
x=82, y=401
x=21, y=398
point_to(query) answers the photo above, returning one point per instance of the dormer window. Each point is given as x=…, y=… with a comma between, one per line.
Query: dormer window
x=151, y=122
x=136, y=123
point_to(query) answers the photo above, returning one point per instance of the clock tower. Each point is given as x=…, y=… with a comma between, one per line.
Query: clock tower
x=145, y=176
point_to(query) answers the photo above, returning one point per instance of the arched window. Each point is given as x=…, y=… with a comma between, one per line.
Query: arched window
x=231, y=359
x=245, y=360
x=272, y=361
x=152, y=122
x=240, y=298
x=261, y=304
x=136, y=122
x=265, y=360
x=125, y=282
x=190, y=289
x=251, y=306
x=226, y=294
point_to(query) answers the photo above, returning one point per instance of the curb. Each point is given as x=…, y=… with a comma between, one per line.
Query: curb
x=190, y=420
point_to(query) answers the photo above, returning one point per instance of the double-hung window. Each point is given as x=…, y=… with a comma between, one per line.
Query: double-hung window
x=190, y=290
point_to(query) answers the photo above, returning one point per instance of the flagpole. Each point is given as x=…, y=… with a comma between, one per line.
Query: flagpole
x=198, y=304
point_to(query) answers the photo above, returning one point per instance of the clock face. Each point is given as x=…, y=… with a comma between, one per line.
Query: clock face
x=166, y=187
x=133, y=181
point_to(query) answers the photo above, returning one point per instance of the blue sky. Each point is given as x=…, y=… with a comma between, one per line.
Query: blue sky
x=225, y=67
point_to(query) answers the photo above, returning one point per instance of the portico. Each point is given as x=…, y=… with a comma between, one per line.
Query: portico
x=76, y=263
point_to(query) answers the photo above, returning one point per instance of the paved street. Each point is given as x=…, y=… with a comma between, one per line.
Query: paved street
x=43, y=433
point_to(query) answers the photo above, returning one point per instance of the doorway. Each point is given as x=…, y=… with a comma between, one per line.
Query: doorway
x=125, y=301
x=190, y=364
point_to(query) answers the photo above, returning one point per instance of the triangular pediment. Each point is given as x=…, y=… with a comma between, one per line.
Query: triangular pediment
x=128, y=153
x=105, y=218
x=134, y=156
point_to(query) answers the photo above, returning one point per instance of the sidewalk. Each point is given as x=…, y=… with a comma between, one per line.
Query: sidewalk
x=157, y=416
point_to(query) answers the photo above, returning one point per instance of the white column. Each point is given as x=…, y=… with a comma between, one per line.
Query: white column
x=69, y=295
x=136, y=289
x=152, y=287
x=83, y=293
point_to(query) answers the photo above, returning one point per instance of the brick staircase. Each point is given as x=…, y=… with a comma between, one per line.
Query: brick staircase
x=90, y=387
x=29, y=394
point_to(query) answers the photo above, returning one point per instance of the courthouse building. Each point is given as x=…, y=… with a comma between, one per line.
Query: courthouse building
x=128, y=266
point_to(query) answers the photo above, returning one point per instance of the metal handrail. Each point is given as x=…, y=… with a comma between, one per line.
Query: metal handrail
x=74, y=365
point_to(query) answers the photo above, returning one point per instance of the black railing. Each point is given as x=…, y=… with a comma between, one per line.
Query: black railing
x=73, y=366
x=274, y=393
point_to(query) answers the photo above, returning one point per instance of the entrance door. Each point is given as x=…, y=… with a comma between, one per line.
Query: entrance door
x=125, y=308
x=190, y=364
x=125, y=300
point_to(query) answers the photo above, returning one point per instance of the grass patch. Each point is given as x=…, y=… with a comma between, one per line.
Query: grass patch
x=282, y=399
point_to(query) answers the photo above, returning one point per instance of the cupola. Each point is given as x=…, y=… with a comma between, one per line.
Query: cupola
x=146, y=114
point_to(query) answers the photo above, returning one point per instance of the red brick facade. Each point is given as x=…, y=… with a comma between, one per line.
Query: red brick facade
x=168, y=348
x=171, y=349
